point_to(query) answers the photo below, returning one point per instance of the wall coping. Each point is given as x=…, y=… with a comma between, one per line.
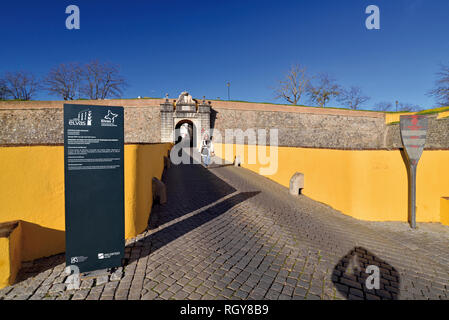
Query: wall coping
x=39, y=144
x=216, y=104
x=21, y=145
x=6, y=228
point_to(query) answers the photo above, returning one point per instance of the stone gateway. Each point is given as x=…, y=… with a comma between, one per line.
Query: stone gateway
x=184, y=115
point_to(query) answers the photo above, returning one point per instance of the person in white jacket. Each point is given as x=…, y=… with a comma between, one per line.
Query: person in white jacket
x=207, y=149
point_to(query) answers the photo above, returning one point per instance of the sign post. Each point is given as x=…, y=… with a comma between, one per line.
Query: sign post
x=413, y=133
x=94, y=186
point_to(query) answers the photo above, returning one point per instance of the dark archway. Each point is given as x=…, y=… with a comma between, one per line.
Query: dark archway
x=185, y=132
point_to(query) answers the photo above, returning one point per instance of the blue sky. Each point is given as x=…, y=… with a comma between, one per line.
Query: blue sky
x=170, y=46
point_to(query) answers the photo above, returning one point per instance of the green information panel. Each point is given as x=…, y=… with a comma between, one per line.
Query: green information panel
x=94, y=186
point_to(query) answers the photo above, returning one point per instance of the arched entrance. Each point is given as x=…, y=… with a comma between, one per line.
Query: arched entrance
x=185, y=115
x=185, y=133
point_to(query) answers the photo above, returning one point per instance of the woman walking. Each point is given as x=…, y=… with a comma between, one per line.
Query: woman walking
x=207, y=149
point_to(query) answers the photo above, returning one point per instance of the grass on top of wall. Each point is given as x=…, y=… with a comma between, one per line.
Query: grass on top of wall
x=434, y=111
x=427, y=111
x=297, y=105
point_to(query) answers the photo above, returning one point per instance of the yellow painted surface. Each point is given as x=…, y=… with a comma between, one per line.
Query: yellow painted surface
x=442, y=115
x=365, y=184
x=5, y=266
x=15, y=252
x=395, y=117
x=444, y=209
x=32, y=190
x=10, y=257
x=142, y=163
x=441, y=112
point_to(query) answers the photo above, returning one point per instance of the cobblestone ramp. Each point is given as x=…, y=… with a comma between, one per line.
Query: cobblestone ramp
x=228, y=233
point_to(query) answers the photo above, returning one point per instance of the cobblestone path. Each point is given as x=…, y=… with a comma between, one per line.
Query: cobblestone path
x=228, y=233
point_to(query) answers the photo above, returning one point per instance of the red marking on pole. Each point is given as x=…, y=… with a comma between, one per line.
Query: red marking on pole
x=414, y=128
x=414, y=146
x=414, y=137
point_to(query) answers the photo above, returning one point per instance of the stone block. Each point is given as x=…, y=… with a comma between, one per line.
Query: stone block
x=204, y=108
x=237, y=161
x=296, y=183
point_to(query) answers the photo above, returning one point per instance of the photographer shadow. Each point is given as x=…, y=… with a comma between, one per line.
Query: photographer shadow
x=361, y=275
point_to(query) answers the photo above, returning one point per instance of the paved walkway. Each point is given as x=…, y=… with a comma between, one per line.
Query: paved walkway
x=227, y=233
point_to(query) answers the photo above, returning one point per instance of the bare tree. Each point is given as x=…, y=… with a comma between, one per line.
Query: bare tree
x=292, y=87
x=383, y=106
x=400, y=107
x=64, y=81
x=353, y=97
x=21, y=85
x=441, y=91
x=4, y=94
x=324, y=90
x=408, y=107
x=102, y=80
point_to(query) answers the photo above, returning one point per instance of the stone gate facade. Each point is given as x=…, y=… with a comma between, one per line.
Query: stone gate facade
x=185, y=109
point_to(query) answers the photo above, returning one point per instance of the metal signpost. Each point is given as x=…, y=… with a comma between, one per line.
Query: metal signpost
x=94, y=186
x=413, y=132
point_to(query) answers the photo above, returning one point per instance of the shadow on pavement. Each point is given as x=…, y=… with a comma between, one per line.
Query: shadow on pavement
x=352, y=279
x=216, y=166
x=178, y=229
x=189, y=188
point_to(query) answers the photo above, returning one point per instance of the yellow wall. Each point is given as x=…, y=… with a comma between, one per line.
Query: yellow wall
x=365, y=184
x=32, y=190
x=15, y=251
x=395, y=117
x=5, y=265
x=142, y=163
x=444, y=209
x=10, y=256
x=442, y=115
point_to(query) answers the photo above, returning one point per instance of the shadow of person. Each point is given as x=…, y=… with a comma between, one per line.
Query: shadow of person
x=361, y=275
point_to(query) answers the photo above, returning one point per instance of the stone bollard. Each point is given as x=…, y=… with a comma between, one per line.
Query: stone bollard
x=159, y=191
x=296, y=183
x=237, y=161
